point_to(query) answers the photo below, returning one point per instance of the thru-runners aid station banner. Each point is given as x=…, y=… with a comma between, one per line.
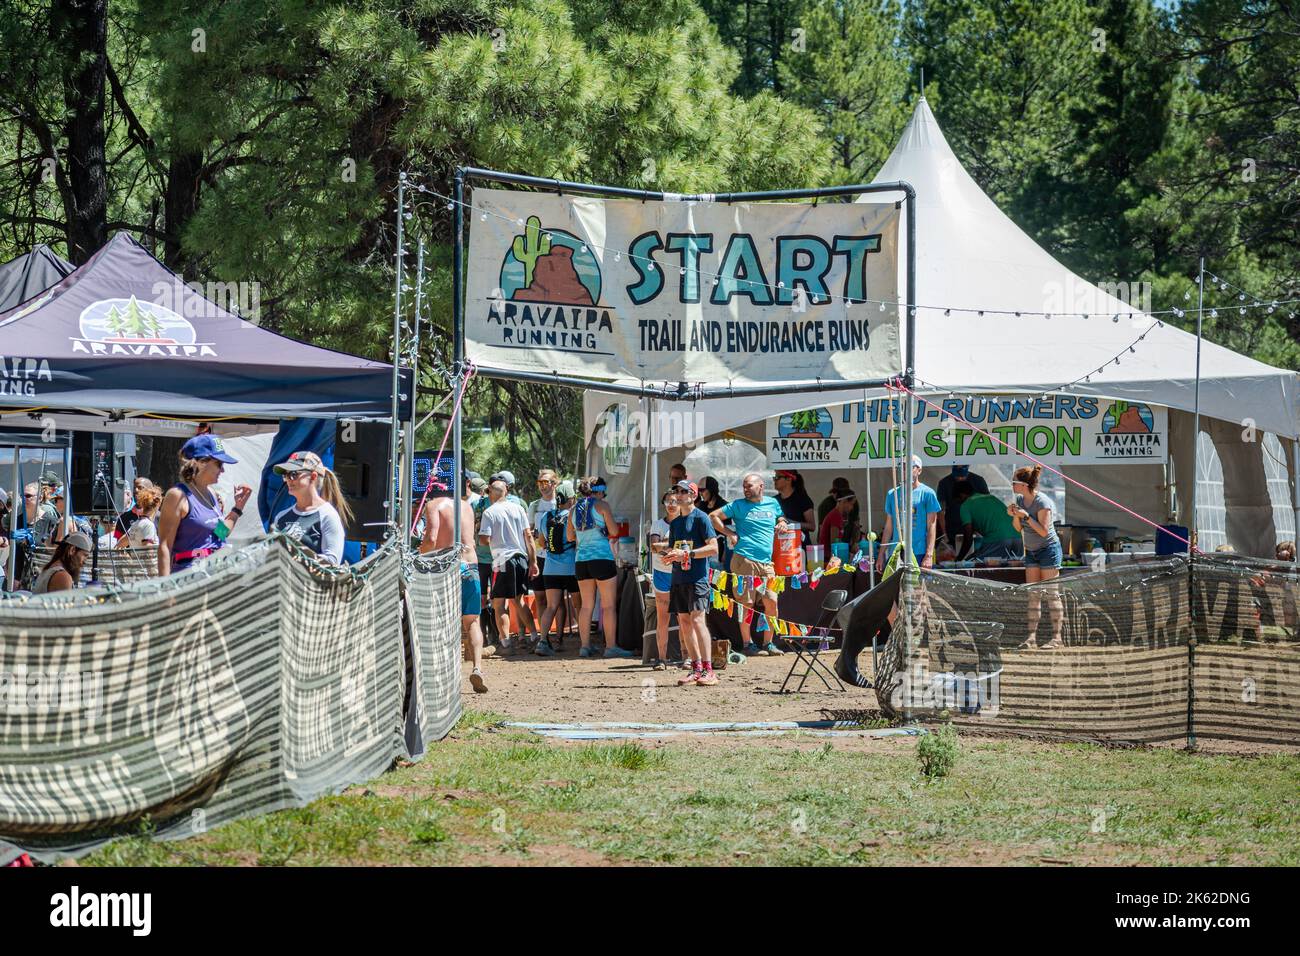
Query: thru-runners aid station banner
x=742, y=293
x=1060, y=429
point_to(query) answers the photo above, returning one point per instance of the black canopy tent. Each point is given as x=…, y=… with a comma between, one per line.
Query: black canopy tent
x=122, y=338
x=124, y=334
x=29, y=275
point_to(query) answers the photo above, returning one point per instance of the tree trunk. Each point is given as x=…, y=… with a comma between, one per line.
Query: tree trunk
x=81, y=27
x=180, y=204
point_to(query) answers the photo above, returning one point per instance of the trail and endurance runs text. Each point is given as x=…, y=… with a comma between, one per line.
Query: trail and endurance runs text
x=813, y=335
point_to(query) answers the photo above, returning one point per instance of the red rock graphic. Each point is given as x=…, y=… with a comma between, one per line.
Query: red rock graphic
x=555, y=280
x=1131, y=422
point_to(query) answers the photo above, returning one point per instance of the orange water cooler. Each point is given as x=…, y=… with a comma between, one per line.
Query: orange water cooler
x=787, y=552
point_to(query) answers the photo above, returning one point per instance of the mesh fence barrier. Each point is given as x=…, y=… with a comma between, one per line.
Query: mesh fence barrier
x=257, y=681
x=1125, y=669
x=110, y=566
x=1246, y=663
x=433, y=600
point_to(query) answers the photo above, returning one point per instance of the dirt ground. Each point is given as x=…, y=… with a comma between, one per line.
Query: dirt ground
x=569, y=689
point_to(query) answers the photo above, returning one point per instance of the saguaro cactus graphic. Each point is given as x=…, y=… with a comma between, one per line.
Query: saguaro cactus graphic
x=530, y=247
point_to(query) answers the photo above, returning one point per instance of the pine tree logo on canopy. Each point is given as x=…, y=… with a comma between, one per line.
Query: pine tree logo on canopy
x=134, y=329
x=804, y=438
x=813, y=423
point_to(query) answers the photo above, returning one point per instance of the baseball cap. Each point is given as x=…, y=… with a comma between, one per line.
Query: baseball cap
x=839, y=484
x=208, y=446
x=300, y=461
x=564, y=490
x=688, y=486
x=79, y=539
x=916, y=461
x=476, y=482
x=507, y=476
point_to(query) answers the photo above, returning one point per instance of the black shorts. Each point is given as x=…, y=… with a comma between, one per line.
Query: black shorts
x=511, y=579
x=485, y=577
x=601, y=570
x=536, y=584
x=561, y=582
x=689, y=596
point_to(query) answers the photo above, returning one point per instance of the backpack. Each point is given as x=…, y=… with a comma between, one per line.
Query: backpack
x=557, y=542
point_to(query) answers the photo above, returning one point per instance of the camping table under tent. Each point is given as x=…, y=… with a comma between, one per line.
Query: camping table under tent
x=981, y=330
x=123, y=344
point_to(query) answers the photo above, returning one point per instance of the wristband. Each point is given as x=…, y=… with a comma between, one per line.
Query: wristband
x=237, y=511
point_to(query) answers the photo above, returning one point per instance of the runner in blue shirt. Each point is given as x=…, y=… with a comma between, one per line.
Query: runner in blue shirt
x=925, y=520
x=693, y=542
x=757, y=518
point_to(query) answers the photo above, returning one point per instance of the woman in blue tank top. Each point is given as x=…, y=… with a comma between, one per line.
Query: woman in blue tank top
x=190, y=523
x=589, y=522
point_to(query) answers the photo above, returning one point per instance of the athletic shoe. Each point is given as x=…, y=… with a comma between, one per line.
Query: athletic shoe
x=586, y=651
x=489, y=651
x=544, y=649
x=690, y=678
x=618, y=652
x=476, y=681
x=772, y=650
x=659, y=665
x=706, y=679
x=752, y=650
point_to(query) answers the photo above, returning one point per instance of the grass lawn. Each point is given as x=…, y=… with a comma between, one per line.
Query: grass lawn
x=488, y=796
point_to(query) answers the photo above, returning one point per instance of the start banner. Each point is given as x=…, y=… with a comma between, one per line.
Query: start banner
x=1061, y=429
x=743, y=293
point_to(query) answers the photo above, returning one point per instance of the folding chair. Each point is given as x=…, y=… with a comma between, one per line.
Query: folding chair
x=807, y=647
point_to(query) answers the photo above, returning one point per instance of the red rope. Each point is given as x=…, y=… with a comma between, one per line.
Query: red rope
x=1047, y=467
x=433, y=472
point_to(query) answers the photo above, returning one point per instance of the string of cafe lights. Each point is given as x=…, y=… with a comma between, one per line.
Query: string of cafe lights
x=1086, y=379
x=652, y=266
x=1271, y=306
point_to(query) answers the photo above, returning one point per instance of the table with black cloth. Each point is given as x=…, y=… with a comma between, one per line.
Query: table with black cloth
x=802, y=605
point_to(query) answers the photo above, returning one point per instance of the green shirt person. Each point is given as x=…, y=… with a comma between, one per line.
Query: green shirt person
x=987, y=516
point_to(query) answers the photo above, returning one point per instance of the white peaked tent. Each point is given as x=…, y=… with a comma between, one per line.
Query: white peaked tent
x=971, y=256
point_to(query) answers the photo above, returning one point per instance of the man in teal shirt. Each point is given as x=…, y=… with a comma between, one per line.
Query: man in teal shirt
x=757, y=518
x=925, y=516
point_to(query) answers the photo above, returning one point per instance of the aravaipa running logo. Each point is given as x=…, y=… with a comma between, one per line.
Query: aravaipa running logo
x=1128, y=430
x=550, y=286
x=133, y=329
